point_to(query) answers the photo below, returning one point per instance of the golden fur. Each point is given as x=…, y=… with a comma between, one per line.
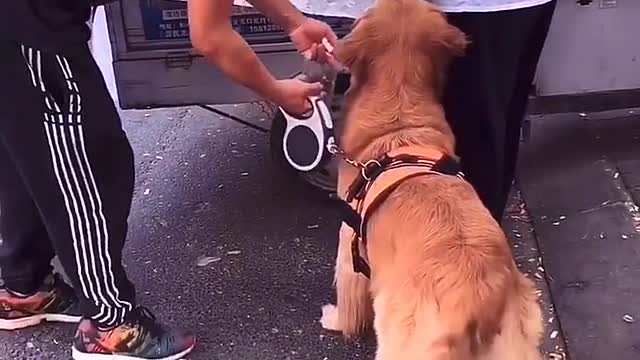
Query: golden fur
x=444, y=283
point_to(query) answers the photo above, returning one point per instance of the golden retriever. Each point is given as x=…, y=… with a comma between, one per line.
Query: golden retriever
x=444, y=284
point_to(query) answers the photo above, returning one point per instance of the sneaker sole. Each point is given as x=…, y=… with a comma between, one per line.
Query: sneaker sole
x=79, y=355
x=17, y=324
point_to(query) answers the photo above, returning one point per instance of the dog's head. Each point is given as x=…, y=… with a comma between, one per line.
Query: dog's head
x=401, y=36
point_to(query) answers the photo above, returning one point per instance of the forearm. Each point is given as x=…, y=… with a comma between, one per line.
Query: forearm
x=237, y=60
x=213, y=36
x=282, y=12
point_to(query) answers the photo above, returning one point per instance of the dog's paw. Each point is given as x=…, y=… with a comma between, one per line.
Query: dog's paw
x=329, y=318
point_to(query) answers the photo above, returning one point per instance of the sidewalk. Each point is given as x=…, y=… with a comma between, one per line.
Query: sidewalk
x=580, y=179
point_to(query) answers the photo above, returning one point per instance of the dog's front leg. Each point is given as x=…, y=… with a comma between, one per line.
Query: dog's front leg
x=353, y=313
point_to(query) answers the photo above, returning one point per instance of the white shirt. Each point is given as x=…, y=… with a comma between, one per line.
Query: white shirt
x=355, y=8
x=485, y=5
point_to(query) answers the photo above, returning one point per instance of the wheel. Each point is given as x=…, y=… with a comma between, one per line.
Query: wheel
x=324, y=180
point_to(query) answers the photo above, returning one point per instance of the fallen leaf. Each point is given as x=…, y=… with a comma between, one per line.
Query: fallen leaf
x=204, y=261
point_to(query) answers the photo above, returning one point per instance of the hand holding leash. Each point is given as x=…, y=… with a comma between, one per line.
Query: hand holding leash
x=292, y=95
x=308, y=39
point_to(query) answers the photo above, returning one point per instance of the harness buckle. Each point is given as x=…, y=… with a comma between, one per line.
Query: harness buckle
x=369, y=169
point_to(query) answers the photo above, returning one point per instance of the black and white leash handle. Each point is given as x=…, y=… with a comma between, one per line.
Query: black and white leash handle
x=307, y=140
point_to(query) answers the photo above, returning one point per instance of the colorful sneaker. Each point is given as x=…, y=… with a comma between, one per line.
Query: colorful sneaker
x=139, y=337
x=55, y=301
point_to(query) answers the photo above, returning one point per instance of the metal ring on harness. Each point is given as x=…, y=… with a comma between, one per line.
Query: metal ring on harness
x=367, y=167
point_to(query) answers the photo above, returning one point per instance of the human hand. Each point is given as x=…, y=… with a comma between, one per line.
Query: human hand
x=293, y=95
x=308, y=39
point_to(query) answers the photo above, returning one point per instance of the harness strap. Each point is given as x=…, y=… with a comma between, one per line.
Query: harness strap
x=357, y=208
x=448, y=166
x=350, y=216
x=372, y=169
x=360, y=265
x=358, y=188
x=382, y=196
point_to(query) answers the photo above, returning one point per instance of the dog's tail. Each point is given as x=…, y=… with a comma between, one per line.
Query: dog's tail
x=487, y=320
x=522, y=327
x=470, y=308
x=469, y=328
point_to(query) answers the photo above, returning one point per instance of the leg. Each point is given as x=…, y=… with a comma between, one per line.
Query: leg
x=31, y=294
x=63, y=133
x=25, y=251
x=353, y=312
x=479, y=99
x=66, y=147
x=526, y=72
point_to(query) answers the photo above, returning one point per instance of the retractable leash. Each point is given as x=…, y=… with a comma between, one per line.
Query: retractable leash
x=309, y=141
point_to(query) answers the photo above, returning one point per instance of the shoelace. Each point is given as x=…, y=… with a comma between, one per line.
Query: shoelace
x=147, y=320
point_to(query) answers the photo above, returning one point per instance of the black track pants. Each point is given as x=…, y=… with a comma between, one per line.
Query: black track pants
x=487, y=92
x=66, y=178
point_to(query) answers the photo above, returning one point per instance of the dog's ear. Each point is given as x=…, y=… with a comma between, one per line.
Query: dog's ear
x=440, y=43
x=352, y=49
x=355, y=50
x=349, y=51
x=453, y=40
x=438, y=36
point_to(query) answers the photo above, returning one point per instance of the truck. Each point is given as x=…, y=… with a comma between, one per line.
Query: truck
x=590, y=62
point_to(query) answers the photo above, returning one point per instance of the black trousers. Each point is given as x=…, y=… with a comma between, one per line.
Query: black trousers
x=487, y=91
x=66, y=178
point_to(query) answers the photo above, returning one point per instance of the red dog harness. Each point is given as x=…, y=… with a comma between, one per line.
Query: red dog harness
x=377, y=180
